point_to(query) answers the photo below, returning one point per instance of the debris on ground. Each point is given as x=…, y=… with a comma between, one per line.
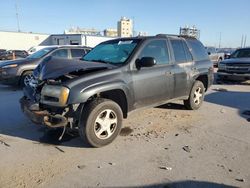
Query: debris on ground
x=240, y=179
x=59, y=149
x=111, y=163
x=99, y=167
x=81, y=166
x=177, y=134
x=126, y=131
x=187, y=149
x=165, y=168
x=222, y=110
x=4, y=143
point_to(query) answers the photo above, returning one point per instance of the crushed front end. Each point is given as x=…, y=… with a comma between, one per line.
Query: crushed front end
x=45, y=103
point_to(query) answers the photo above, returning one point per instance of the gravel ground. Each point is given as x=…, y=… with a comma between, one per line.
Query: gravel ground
x=166, y=146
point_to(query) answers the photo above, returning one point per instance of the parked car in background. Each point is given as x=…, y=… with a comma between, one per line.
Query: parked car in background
x=13, y=54
x=214, y=55
x=16, y=72
x=237, y=66
x=2, y=51
x=34, y=49
x=227, y=52
x=94, y=94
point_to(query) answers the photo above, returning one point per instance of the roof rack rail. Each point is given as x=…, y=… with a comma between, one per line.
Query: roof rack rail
x=165, y=35
x=173, y=35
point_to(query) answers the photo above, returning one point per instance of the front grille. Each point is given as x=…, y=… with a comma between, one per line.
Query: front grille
x=238, y=69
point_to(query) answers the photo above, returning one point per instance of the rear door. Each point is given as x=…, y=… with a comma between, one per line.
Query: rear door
x=152, y=85
x=183, y=67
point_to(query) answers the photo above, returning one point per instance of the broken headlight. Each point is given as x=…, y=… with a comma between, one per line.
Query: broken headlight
x=54, y=95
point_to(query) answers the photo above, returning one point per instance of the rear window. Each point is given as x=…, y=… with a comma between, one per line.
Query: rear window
x=181, y=52
x=197, y=49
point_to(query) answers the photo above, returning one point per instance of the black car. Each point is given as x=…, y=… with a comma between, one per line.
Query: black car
x=17, y=72
x=119, y=76
x=237, y=66
x=13, y=54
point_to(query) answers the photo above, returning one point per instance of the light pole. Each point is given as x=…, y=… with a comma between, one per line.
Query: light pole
x=17, y=17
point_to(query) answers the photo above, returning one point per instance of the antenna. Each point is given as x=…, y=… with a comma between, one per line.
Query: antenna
x=17, y=18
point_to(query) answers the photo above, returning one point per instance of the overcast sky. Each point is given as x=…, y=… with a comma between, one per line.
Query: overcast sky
x=230, y=18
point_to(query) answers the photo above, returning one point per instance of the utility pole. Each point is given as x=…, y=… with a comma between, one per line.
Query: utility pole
x=242, y=38
x=245, y=40
x=17, y=18
x=220, y=40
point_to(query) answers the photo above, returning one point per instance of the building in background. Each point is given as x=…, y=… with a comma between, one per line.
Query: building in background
x=190, y=31
x=125, y=27
x=84, y=31
x=110, y=32
x=77, y=39
x=11, y=40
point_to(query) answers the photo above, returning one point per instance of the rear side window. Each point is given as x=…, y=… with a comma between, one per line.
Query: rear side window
x=77, y=53
x=198, y=50
x=62, y=53
x=179, y=50
x=156, y=49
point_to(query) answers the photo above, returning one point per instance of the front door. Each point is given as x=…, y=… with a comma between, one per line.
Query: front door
x=152, y=85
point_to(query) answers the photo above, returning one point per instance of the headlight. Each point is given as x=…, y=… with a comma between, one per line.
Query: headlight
x=9, y=66
x=222, y=66
x=54, y=95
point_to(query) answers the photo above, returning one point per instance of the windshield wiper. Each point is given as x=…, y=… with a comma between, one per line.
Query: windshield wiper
x=99, y=61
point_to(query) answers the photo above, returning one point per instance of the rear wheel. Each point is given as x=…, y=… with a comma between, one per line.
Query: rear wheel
x=196, y=96
x=101, y=122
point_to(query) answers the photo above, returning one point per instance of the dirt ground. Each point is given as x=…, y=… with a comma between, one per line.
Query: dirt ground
x=166, y=146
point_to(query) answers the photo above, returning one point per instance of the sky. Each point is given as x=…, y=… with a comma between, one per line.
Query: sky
x=229, y=19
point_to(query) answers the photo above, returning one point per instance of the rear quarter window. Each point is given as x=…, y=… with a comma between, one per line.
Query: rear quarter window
x=198, y=50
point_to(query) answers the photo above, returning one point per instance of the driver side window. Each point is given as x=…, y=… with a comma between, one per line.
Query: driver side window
x=156, y=49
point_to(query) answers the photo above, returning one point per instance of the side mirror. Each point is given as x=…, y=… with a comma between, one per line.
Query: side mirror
x=209, y=53
x=145, y=62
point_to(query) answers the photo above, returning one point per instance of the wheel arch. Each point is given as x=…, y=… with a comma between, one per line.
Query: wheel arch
x=115, y=92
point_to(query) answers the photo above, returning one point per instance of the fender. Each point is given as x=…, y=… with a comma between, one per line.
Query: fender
x=86, y=93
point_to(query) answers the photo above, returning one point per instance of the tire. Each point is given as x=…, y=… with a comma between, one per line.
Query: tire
x=194, y=102
x=100, y=122
x=23, y=77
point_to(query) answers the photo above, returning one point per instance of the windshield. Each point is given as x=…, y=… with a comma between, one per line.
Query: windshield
x=242, y=53
x=41, y=53
x=115, y=51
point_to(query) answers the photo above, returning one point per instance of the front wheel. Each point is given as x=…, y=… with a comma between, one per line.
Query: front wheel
x=196, y=96
x=25, y=78
x=101, y=122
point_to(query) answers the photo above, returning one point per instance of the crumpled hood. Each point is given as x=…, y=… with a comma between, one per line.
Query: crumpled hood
x=52, y=67
x=237, y=60
x=18, y=61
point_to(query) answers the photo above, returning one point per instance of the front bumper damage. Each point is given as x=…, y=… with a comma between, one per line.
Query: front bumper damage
x=41, y=117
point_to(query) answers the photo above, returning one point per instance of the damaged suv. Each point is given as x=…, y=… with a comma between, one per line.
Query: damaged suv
x=94, y=94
